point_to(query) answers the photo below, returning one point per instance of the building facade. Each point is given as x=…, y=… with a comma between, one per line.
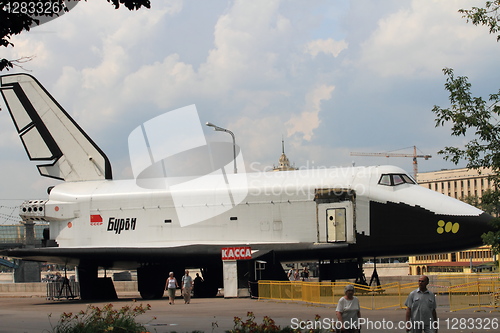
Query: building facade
x=478, y=260
x=459, y=184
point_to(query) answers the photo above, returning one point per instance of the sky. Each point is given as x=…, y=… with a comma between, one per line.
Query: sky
x=329, y=77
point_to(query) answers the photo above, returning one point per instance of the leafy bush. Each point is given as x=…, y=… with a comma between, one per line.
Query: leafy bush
x=249, y=325
x=97, y=320
x=268, y=325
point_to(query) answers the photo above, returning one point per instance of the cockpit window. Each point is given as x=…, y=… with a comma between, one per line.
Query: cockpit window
x=408, y=179
x=385, y=180
x=397, y=179
x=393, y=179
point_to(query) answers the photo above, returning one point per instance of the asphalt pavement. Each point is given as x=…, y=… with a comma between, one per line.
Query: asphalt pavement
x=30, y=314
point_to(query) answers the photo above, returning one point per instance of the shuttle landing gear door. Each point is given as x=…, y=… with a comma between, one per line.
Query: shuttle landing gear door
x=336, y=224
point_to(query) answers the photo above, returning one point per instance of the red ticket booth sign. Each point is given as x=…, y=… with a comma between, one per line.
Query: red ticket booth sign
x=236, y=253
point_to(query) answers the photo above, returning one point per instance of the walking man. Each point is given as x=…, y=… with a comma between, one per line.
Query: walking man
x=420, y=305
x=186, y=286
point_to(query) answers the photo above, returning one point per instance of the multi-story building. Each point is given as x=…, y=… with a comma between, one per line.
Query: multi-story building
x=480, y=259
x=459, y=184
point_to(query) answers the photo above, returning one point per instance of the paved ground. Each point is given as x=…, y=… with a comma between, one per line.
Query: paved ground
x=29, y=313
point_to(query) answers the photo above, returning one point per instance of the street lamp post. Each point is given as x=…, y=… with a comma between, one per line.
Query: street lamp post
x=217, y=128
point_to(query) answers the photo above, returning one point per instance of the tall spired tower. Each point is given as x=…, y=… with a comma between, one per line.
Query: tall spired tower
x=284, y=163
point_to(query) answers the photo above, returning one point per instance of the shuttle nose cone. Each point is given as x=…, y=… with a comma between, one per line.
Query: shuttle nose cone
x=464, y=231
x=417, y=230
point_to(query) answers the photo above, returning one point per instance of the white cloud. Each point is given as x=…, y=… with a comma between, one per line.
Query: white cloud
x=260, y=68
x=309, y=120
x=27, y=48
x=162, y=83
x=422, y=38
x=249, y=41
x=327, y=46
x=253, y=134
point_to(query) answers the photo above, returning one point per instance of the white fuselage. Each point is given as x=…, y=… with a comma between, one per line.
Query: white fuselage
x=279, y=207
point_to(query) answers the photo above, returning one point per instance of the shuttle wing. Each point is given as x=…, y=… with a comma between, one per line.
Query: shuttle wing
x=49, y=134
x=194, y=255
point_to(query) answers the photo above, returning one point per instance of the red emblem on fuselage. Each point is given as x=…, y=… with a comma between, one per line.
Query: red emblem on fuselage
x=95, y=220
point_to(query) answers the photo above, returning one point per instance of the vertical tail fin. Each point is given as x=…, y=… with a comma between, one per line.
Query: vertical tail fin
x=48, y=133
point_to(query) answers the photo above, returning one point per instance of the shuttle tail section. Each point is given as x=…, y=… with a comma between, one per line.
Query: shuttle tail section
x=49, y=134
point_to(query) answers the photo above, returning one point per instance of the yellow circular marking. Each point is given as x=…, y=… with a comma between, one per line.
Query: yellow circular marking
x=440, y=230
x=441, y=223
x=448, y=227
x=455, y=228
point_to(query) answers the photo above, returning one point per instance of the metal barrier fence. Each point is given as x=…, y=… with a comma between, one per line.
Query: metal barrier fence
x=481, y=294
x=58, y=290
x=328, y=293
x=448, y=280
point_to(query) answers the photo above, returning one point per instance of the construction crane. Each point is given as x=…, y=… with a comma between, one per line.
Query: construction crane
x=388, y=154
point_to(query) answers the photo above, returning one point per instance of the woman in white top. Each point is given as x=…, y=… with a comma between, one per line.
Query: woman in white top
x=348, y=311
x=171, y=286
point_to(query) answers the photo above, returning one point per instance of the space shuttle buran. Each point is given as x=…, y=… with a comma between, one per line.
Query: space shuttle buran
x=157, y=224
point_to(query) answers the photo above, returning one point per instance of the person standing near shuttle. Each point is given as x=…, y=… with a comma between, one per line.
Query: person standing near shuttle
x=186, y=286
x=421, y=316
x=172, y=285
x=305, y=274
x=198, y=280
x=348, y=311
